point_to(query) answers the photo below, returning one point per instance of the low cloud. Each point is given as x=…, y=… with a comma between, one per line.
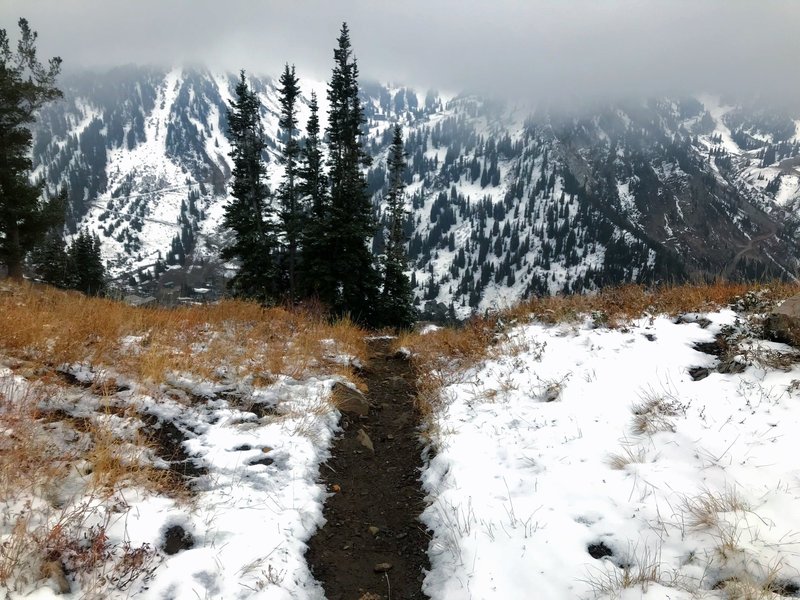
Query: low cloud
x=564, y=50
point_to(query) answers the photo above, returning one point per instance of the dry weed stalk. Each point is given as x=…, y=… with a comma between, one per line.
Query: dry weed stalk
x=704, y=510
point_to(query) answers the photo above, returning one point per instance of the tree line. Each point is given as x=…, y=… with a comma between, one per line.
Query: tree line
x=310, y=239
x=31, y=219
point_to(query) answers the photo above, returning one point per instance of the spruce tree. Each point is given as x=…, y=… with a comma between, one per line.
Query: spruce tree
x=291, y=213
x=25, y=86
x=87, y=273
x=50, y=260
x=352, y=284
x=313, y=187
x=396, y=296
x=248, y=214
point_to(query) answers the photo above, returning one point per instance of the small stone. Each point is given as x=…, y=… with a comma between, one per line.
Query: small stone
x=382, y=567
x=349, y=400
x=698, y=373
x=336, y=488
x=783, y=324
x=374, y=530
x=364, y=440
x=390, y=437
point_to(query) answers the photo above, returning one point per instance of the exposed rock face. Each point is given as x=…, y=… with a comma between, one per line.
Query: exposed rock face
x=783, y=325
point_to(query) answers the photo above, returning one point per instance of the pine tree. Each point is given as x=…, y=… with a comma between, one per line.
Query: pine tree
x=291, y=213
x=50, y=260
x=396, y=296
x=313, y=187
x=352, y=285
x=25, y=86
x=87, y=273
x=248, y=214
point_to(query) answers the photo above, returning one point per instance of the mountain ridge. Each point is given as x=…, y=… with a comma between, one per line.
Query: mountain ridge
x=506, y=201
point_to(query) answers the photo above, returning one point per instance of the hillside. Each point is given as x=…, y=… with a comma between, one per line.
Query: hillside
x=636, y=443
x=506, y=200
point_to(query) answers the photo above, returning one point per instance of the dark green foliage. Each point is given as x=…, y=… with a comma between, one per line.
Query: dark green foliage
x=349, y=281
x=291, y=213
x=313, y=187
x=85, y=263
x=248, y=214
x=25, y=86
x=77, y=267
x=397, y=296
x=50, y=260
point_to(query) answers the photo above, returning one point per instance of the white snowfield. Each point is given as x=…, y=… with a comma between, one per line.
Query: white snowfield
x=578, y=437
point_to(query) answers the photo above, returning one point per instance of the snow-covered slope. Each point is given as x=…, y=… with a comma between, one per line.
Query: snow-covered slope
x=586, y=462
x=505, y=200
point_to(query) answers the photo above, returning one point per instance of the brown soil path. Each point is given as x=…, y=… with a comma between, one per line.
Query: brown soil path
x=377, y=490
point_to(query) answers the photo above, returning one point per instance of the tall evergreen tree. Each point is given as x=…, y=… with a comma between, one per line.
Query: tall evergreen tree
x=396, y=296
x=87, y=273
x=25, y=86
x=291, y=212
x=353, y=280
x=248, y=215
x=50, y=260
x=313, y=187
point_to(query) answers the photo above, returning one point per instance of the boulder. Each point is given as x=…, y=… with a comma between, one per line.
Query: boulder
x=783, y=324
x=349, y=400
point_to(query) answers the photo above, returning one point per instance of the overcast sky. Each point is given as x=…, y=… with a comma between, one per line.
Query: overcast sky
x=567, y=49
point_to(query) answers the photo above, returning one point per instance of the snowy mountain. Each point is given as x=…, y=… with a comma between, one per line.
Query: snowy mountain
x=506, y=200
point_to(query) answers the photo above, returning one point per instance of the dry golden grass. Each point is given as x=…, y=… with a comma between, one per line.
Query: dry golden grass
x=616, y=304
x=440, y=355
x=53, y=327
x=703, y=511
x=629, y=455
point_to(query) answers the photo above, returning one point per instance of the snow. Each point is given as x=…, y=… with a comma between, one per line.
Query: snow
x=156, y=177
x=522, y=480
x=717, y=111
x=253, y=510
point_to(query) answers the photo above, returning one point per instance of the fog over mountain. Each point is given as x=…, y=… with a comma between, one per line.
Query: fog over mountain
x=634, y=141
x=576, y=51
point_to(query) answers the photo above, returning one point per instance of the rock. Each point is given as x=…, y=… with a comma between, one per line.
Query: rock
x=374, y=530
x=349, y=400
x=265, y=460
x=176, y=538
x=382, y=567
x=364, y=440
x=54, y=571
x=698, y=373
x=783, y=324
x=731, y=367
x=599, y=550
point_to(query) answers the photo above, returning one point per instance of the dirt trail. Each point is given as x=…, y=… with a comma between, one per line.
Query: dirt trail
x=377, y=490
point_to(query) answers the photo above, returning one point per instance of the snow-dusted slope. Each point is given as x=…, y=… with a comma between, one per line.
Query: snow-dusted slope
x=585, y=462
x=505, y=200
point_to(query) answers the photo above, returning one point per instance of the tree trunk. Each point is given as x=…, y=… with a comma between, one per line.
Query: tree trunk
x=13, y=252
